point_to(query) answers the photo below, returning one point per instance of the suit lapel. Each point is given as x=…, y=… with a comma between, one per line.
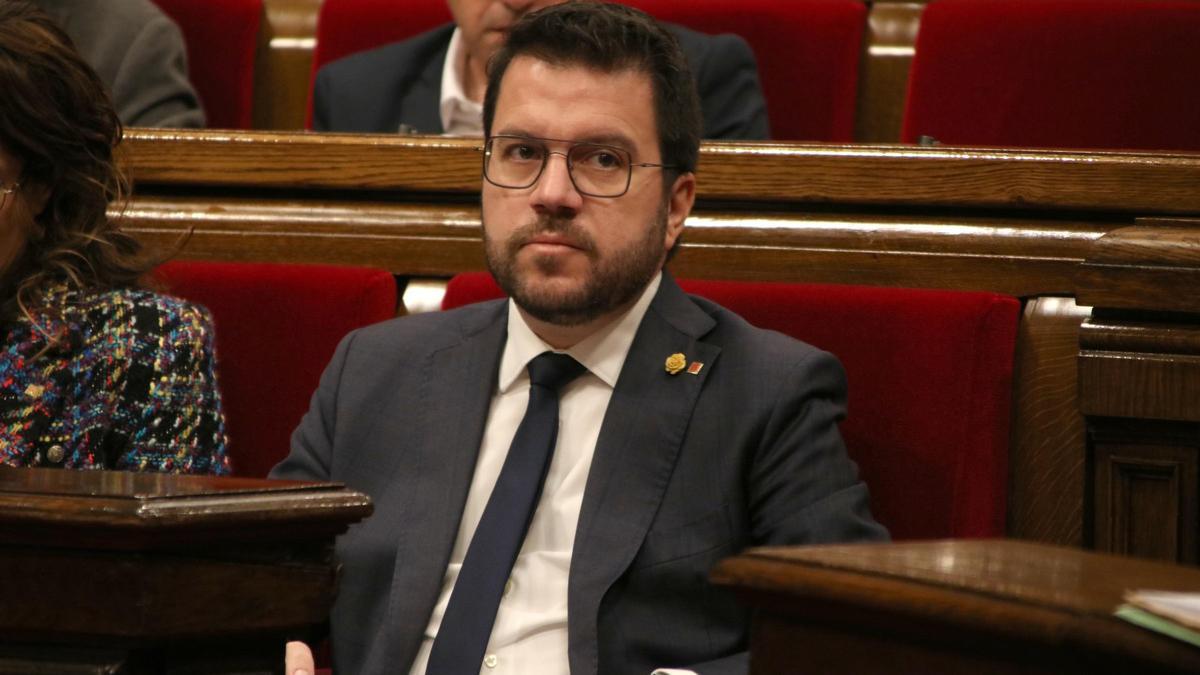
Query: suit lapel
x=421, y=107
x=446, y=445
x=635, y=455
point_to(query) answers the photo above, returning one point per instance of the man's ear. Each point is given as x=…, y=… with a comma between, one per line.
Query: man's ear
x=679, y=204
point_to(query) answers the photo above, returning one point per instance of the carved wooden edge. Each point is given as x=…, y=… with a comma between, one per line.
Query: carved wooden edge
x=1139, y=387
x=878, y=603
x=1141, y=183
x=1036, y=257
x=1153, y=265
x=180, y=522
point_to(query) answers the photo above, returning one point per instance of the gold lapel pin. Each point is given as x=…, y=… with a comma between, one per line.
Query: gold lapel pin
x=675, y=363
x=694, y=368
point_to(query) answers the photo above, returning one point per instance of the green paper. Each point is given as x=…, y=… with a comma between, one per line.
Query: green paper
x=1158, y=624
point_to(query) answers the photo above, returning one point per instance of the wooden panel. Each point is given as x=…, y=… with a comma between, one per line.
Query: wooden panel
x=117, y=572
x=281, y=77
x=1129, y=266
x=883, y=72
x=1146, y=498
x=1165, y=387
x=814, y=174
x=1046, y=490
x=1037, y=256
x=952, y=607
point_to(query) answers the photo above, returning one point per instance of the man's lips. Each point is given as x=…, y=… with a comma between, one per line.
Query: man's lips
x=552, y=242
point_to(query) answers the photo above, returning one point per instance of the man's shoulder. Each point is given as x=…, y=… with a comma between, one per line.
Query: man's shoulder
x=750, y=344
x=428, y=332
x=696, y=44
x=393, y=59
x=375, y=91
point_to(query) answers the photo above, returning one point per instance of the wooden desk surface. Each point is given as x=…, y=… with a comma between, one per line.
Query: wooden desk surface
x=953, y=606
x=119, y=510
x=110, y=571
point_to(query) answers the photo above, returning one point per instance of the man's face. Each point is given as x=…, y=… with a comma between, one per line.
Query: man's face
x=568, y=258
x=485, y=23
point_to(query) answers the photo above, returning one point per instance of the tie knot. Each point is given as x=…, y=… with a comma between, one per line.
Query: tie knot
x=552, y=370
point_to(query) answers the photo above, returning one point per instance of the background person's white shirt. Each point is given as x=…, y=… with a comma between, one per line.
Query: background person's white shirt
x=460, y=115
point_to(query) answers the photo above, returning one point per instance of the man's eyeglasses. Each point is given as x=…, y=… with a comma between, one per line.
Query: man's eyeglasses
x=6, y=190
x=516, y=162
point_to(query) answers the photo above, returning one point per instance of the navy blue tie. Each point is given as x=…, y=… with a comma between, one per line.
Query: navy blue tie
x=467, y=623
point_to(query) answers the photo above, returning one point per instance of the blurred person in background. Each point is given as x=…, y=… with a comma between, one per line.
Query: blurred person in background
x=140, y=55
x=95, y=372
x=433, y=83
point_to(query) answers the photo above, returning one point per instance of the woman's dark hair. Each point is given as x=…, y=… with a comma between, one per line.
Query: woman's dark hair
x=59, y=120
x=610, y=37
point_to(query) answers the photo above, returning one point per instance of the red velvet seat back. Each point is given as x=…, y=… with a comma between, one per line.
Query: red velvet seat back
x=1057, y=73
x=807, y=51
x=930, y=376
x=222, y=38
x=276, y=329
x=348, y=26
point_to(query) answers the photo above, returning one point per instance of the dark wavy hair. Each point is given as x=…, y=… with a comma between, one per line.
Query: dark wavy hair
x=58, y=119
x=610, y=37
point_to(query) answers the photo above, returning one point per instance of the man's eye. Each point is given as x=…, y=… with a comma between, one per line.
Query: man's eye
x=522, y=152
x=604, y=159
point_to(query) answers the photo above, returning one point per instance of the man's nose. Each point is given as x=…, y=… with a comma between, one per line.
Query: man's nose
x=554, y=191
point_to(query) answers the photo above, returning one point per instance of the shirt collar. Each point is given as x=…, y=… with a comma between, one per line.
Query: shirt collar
x=602, y=353
x=460, y=115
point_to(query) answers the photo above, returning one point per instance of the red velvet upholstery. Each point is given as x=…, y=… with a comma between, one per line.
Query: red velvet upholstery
x=276, y=329
x=348, y=26
x=807, y=51
x=1057, y=73
x=222, y=38
x=930, y=376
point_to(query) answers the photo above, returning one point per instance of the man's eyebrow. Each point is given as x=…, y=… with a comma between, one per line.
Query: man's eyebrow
x=616, y=139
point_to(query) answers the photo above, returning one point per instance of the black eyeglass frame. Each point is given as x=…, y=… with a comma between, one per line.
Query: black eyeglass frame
x=571, y=145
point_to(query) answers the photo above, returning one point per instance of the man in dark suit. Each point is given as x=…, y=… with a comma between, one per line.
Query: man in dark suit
x=685, y=436
x=433, y=83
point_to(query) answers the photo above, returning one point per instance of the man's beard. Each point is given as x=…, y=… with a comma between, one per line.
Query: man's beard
x=613, y=281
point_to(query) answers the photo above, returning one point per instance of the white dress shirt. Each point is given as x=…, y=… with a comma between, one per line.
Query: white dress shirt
x=460, y=115
x=529, y=636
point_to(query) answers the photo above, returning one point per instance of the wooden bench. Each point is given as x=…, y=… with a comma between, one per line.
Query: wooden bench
x=1103, y=249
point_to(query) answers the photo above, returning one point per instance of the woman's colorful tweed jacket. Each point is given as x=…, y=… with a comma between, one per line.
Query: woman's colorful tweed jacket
x=128, y=383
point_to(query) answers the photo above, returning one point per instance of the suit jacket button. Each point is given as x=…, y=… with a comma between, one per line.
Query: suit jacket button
x=56, y=454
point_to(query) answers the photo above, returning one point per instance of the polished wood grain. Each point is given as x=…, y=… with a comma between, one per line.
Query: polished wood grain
x=141, y=511
x=891, y=34
x=284, y=62
x=952, y=607
x=1048, y=457
x=105, y=571
x=1128, y=267
x=882, y=175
